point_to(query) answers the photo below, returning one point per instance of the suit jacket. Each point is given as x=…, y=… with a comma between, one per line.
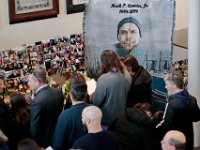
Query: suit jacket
x=45, y=109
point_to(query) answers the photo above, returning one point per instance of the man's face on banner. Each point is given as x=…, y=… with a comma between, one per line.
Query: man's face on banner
x=129, y=36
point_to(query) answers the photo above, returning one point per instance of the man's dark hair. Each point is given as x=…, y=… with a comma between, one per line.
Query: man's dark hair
x=78, y=87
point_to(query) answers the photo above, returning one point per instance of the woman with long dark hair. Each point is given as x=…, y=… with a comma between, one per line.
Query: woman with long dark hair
x=19, y=111
x=112, y=87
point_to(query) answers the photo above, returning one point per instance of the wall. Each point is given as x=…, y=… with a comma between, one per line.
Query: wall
x=14, y=35
x=28, y=32
x=181, y=14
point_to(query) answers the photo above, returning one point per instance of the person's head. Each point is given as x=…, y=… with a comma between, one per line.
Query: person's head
x=131, y=63
x=146, y=107
x=91, y=117
x=173, y=82
x=173, y=140
x=28, y=144
x=37, y=78
x=19, y=107
x=129, y=33
x=78, y=87
x=110, y=62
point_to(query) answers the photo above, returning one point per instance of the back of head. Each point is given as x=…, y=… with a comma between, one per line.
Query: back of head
x=28, y=144
x=19, y=107
x=110, y=62
x=92, y=112
x=40, y=74
x=145, y=107
x=78, y=87
x=17, y=100
x=175, y=78
x=130, y=61
x=175, y=138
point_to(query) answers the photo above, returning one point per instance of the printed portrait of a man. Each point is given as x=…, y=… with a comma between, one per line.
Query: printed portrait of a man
x=129, y=36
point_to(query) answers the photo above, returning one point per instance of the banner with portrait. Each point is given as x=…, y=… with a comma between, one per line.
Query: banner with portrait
x=142, y=28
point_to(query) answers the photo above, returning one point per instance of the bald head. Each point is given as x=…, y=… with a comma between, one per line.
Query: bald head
x=174, y=139
x=93, y=113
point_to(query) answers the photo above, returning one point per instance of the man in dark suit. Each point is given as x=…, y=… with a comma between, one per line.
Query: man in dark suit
x=44, y=108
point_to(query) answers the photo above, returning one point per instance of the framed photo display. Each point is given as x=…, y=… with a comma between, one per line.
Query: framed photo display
x=27, y=10
x=75, y=6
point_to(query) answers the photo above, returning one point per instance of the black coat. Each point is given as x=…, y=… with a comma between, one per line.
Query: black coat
x=181, y=111
x=135, y=131
x=45, y=109
x=140, y=90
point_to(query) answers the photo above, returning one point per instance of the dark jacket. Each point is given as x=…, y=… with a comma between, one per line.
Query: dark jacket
x=181, y=111
x=69, y=127
x=135, y=130
x=140, y=90
x=45, y=109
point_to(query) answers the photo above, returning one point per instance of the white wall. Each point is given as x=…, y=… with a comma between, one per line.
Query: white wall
x=15, y=35
x=18, y=34
x=181, y=14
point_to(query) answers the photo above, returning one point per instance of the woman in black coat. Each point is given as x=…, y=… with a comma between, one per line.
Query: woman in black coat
x=140, y=91
x=135, y=129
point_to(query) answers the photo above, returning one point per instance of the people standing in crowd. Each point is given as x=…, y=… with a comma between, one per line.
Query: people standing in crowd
x=173, y=140
x=135, y=129
x=97, y=138
x=20, y=116
x=181, y=110
x=112, y=87
x=129, y=36
x=140, y=91
x=44, y=108
x=69, y=126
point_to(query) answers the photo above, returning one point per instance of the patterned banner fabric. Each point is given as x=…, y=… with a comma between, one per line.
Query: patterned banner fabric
x=142, y=28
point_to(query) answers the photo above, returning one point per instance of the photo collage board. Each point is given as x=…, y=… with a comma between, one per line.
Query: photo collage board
x=62, y=55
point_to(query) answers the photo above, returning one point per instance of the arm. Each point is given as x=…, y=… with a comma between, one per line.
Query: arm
x=35, y=111
x=59, y=138
x=99, y=94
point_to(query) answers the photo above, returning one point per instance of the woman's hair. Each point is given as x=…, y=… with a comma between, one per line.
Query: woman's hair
x=19, y=108
x=143, y=106
x=130, y=61
x=110, y=62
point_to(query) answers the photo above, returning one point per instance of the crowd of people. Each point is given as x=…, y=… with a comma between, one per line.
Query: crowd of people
x=119, y=114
